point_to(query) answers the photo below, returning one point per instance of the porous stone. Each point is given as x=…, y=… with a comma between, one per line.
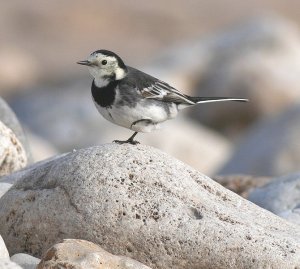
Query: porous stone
x=12, y=154
x=139, y=202
x=21, y=173
x=77, y=254
x=9, y=118
x=3, y=250
x=25, y=261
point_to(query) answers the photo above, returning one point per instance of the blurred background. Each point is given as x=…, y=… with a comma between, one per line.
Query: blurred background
x=248, y=49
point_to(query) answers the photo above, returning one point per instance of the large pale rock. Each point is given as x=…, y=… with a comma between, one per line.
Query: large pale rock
x=9, y=118
x=139, y=202
x=4, y=255
x=81, y=125
x=23, y=172
x=270, y=148
x=77, y=254
x=12, y=154
x=25, y=261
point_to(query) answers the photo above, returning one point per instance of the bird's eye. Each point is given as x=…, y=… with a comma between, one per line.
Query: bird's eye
x=104, y=62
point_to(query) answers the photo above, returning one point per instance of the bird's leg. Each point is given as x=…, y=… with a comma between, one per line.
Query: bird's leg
x=129, y=140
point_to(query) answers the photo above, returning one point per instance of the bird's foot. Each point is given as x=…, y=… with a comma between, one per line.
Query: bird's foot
x=129, y=141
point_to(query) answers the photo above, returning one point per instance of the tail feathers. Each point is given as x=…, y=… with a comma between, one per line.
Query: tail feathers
x=198, y=100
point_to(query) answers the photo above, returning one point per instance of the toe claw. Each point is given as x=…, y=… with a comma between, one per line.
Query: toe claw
x=119, y=142
x=132, y=142
x=129, y=140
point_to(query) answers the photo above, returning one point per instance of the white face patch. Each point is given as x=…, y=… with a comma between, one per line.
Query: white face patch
x=120, y=73
x=104, y=67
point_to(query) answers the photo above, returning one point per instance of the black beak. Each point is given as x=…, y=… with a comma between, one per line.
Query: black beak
x=84, y=63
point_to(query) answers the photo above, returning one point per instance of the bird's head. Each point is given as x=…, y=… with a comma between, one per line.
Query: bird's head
x=105, y=66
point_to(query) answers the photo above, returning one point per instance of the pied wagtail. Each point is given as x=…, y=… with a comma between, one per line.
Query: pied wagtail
x=135, y=100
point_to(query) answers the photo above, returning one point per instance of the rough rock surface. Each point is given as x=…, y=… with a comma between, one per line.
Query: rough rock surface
x=77, y=254
x=139, y=202
x=12, y=154
x=25, y=261
x=3, y=250
x=270, y=148
x=7, y=264
x=9, y=118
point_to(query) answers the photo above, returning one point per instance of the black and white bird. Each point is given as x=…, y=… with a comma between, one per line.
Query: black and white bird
x=133, y=99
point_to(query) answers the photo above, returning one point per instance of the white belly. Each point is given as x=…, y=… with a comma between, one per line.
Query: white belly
x=126, y=116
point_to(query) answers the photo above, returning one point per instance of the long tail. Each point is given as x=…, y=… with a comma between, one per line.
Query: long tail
x=198, y=100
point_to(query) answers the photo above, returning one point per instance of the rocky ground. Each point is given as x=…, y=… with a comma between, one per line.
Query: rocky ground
x=216, y=188
x=134, y=206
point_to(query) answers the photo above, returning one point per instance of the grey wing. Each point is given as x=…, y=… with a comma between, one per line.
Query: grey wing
x=162, y=91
